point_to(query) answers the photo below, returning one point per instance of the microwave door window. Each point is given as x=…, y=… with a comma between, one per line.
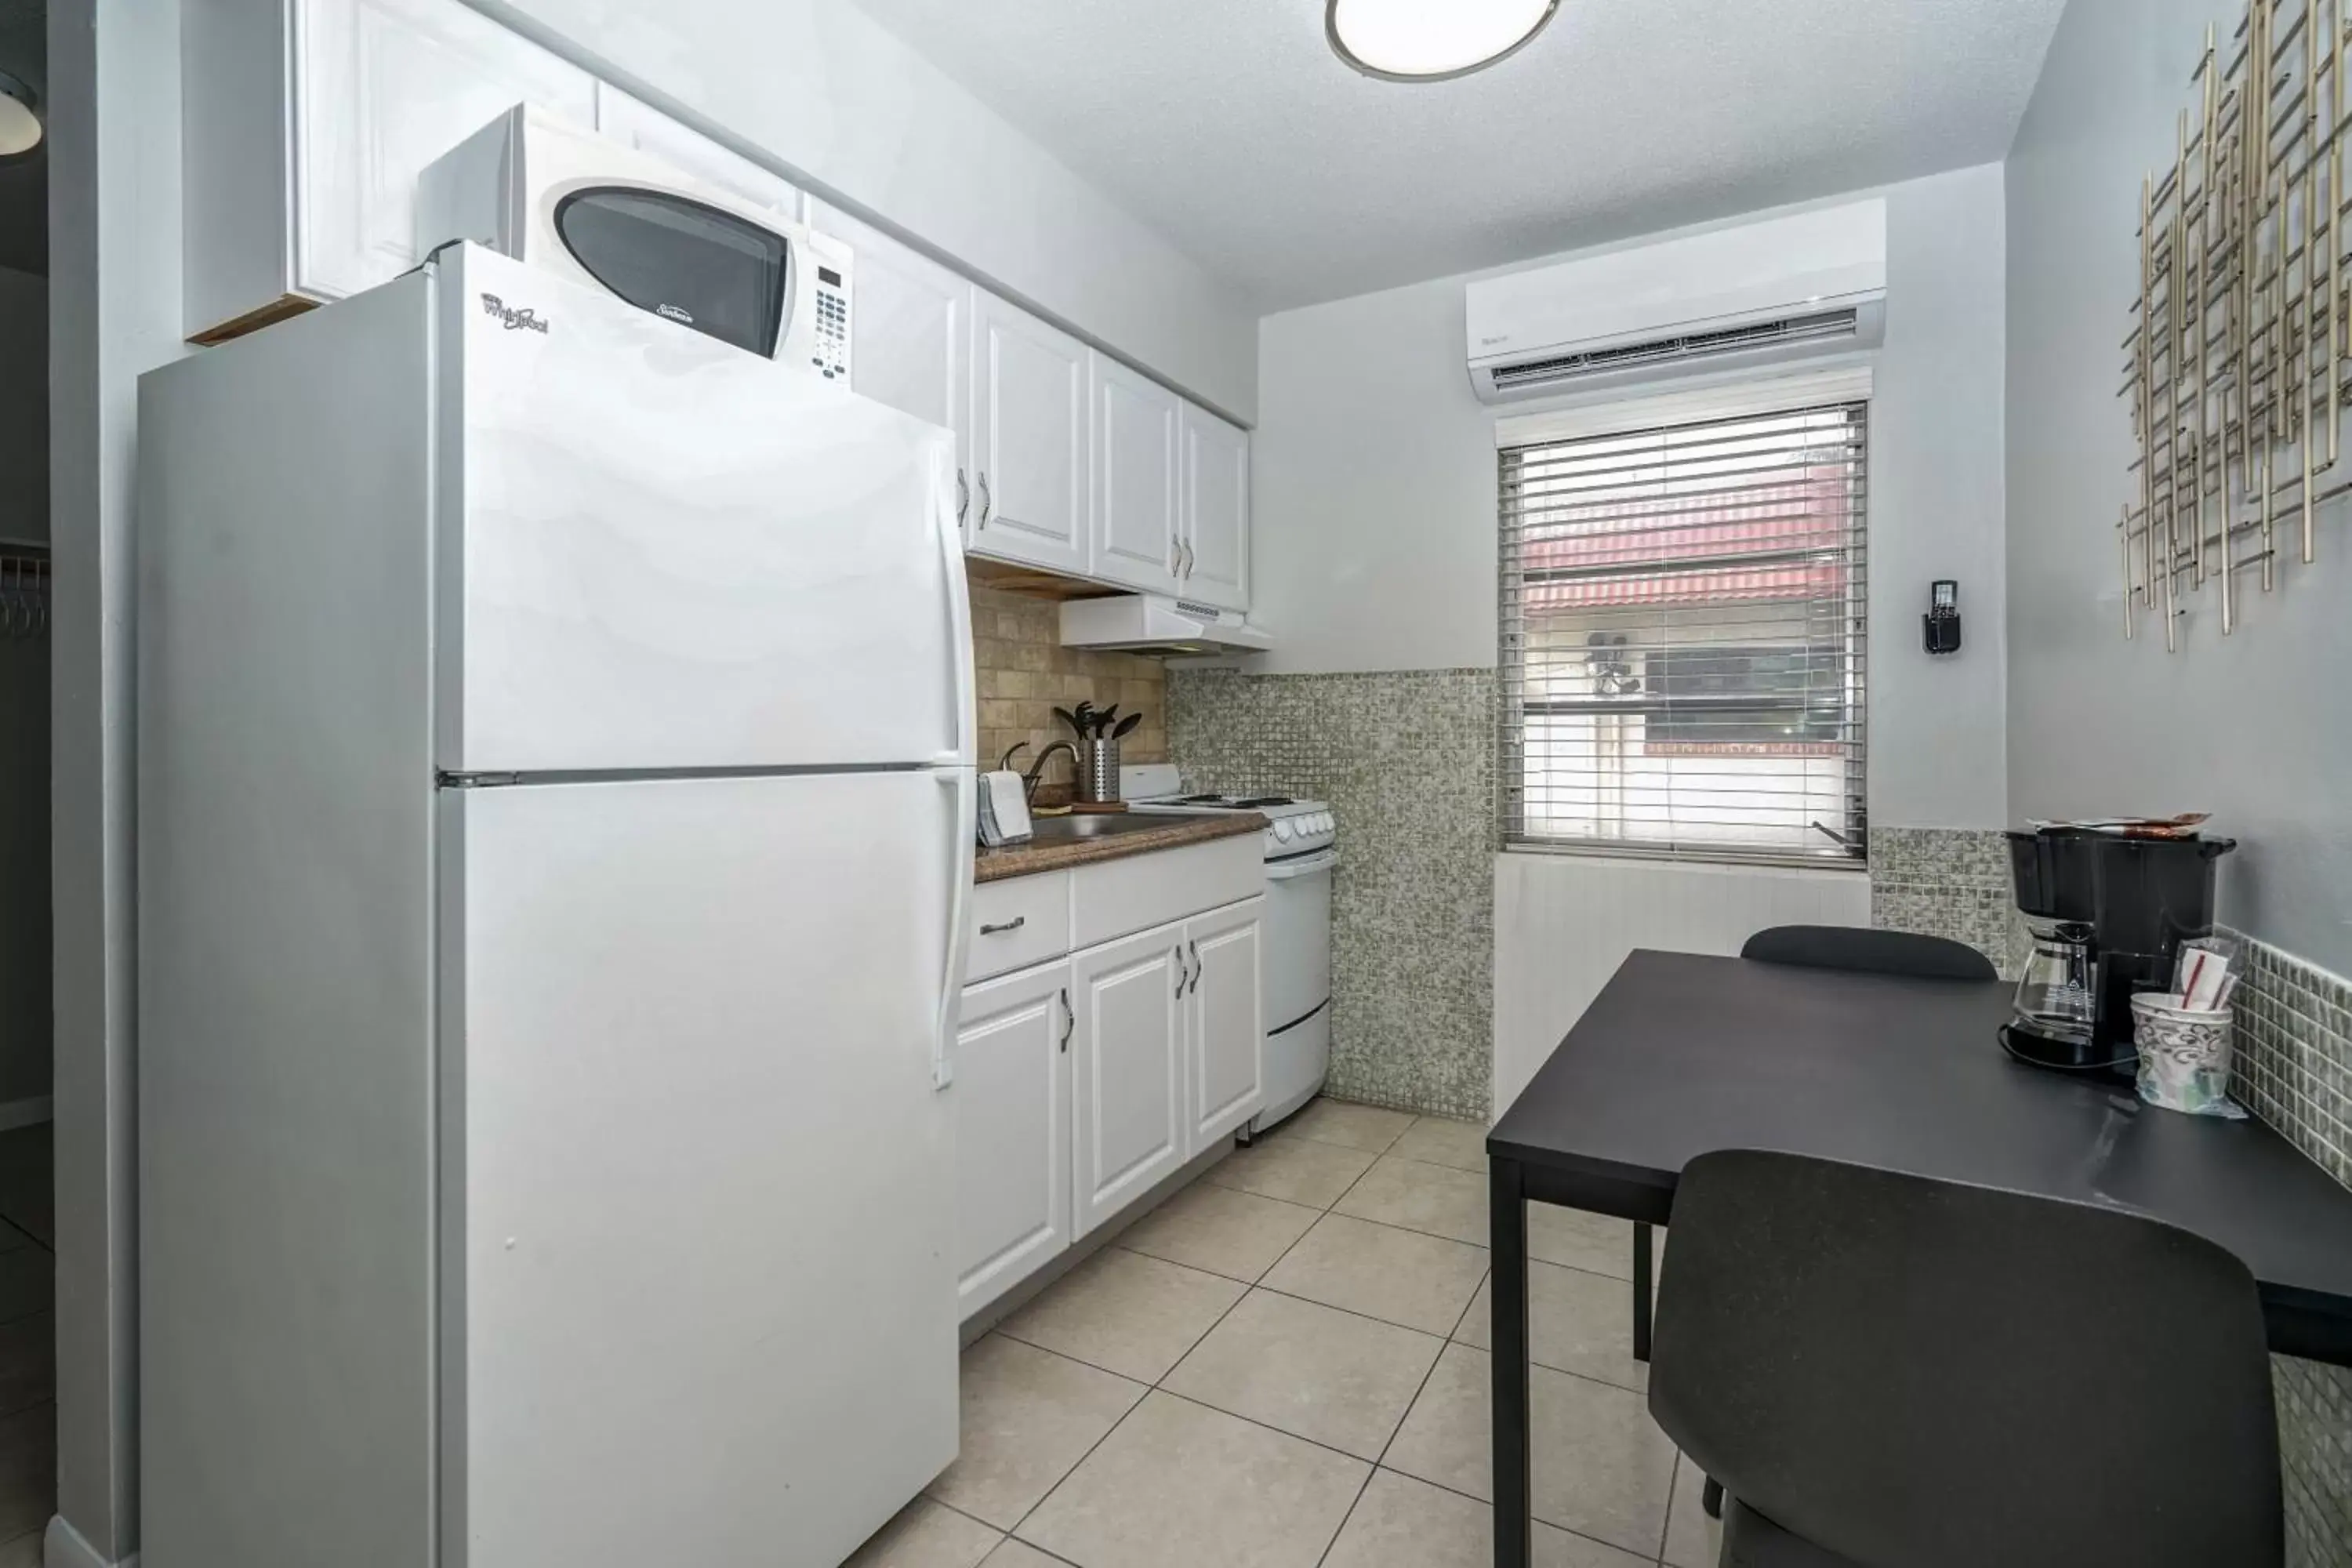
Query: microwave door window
x=694, y=264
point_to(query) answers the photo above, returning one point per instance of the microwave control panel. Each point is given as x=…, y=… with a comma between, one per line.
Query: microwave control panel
x=832, y=337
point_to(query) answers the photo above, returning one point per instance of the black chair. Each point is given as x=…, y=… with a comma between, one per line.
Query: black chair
x=1878, y=951
x=1824, y=947
x=1888, y=1370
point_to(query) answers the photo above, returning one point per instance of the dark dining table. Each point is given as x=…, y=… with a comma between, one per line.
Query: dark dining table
x=1682, y=1054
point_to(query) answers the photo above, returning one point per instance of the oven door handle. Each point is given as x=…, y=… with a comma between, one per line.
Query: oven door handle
x=1305, y=866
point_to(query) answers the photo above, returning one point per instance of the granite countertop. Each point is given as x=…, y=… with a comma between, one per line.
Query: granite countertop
x=1027, y=860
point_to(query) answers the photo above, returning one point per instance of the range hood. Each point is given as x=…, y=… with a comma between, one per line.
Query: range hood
x=1153, y=623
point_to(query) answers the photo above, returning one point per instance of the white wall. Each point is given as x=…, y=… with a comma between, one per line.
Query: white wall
x=856, y=115
x=1375, y=500
x=1564, y=922
x=114, y=278
x=2097, y=724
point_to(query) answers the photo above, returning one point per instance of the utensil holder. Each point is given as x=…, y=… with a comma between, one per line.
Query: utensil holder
x=1098, y=769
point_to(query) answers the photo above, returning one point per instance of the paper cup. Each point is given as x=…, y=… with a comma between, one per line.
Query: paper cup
x=2184, y=1057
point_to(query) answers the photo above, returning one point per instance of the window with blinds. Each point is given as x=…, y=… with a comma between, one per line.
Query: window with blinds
x=1683, y=639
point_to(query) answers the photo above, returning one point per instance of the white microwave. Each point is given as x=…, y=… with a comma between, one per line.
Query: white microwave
x=549, y=194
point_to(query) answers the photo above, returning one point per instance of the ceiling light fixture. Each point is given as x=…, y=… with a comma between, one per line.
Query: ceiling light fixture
x=20, y=118
x=1431, y=40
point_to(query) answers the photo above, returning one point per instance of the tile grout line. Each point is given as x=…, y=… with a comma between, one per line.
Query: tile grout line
x=1156, y=1384
x=1248, y=1286
x=1666, y=1526
x=1379, y=1464
x=1150, y=1388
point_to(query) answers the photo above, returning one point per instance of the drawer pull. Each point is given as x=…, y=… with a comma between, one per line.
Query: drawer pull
x=1015, y=924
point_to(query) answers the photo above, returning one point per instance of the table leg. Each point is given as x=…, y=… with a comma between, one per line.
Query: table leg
x=1642, y=1292
x=1514, y=1477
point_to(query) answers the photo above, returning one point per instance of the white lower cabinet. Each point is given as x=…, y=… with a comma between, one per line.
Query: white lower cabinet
x=1083, y=1082
x=1014, y=1048
x=1131, y=1126
x=1227, y=1050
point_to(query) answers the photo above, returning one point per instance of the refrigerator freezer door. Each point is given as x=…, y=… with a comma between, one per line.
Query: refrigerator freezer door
x=658, y=551
x=698, y=1270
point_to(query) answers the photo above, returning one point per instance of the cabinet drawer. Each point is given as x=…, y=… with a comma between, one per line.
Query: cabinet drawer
x=1018, y=921
x=1117, y=897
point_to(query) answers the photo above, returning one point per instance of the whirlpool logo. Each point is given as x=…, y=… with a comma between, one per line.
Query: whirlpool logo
x=512, y=318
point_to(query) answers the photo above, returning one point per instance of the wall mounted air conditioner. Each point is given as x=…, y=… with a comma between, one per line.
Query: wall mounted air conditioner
x=1752, y=298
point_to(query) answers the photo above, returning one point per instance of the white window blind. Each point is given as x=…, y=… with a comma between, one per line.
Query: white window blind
x=1683, y=639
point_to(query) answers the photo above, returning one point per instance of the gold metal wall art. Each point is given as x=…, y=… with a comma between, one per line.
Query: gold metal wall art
x=2236, y=360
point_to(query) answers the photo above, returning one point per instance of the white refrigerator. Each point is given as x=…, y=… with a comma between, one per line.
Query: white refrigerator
x=555, y=799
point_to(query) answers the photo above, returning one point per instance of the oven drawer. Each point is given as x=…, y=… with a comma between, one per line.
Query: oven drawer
x=1297, y=937
x=1016, y=922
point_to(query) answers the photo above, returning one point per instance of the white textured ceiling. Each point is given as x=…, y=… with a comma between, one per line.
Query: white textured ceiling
x=1230, y=126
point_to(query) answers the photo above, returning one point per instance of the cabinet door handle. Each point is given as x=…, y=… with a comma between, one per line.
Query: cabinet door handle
x=1069, y=1019
x=1197, y=967
x=1187, y=558
x=1175, y=558
x=1015, y=924
x=1181, y=976
x=963, y=495
x=984, y=503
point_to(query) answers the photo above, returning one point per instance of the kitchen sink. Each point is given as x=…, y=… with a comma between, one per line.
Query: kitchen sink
x=1094, y=825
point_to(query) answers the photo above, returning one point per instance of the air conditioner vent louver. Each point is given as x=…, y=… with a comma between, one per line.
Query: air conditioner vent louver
x=1683, y=347
x=1695, y=308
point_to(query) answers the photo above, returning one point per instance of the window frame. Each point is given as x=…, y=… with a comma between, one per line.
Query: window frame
x=1837, y=388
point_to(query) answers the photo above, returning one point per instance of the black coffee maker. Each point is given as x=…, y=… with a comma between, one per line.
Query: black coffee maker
x=2107, y=915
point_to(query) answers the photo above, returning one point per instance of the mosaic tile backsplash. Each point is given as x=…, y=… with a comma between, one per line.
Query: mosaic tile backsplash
x=1406, y=761
x=2293, y=1069
x=1950, y=882
x=1025, y=673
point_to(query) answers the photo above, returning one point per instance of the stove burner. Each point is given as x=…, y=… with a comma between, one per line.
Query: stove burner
x=1254, y=803
x=1201, y=800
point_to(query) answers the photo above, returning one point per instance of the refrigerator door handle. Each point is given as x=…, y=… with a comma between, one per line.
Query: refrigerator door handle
x=959, y=591
x=966, y=846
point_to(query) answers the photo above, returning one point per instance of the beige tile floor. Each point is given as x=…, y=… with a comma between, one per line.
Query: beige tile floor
x=1284, y=1366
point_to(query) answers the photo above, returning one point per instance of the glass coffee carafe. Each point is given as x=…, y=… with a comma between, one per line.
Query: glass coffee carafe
x=2057, y=997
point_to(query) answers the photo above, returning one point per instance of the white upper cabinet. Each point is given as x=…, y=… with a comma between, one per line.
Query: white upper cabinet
x=306, y=124
x=1133, y=514
x=1216, y=534
x=637, y=124
x=1029, y=449
x=389, y=86
x=910, y=332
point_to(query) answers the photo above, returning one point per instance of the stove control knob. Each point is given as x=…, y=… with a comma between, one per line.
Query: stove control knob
x=1323, y=822
x=1282, y=831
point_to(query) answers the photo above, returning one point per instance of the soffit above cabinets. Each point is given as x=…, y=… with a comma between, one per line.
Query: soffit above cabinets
x=1230, y=126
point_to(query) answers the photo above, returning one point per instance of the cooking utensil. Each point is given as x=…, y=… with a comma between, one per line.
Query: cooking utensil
x=1126, y=726
x=1103, y=719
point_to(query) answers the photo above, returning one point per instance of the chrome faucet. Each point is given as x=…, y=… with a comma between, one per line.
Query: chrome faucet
x=1036, y=769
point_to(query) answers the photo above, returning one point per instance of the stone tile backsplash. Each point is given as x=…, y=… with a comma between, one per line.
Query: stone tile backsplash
x=2293, y=1069
x=1951, y=883
x=1025, y=673
x=1406, y=761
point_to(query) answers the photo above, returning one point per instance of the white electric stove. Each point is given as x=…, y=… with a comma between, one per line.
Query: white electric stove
x=1300, y=855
